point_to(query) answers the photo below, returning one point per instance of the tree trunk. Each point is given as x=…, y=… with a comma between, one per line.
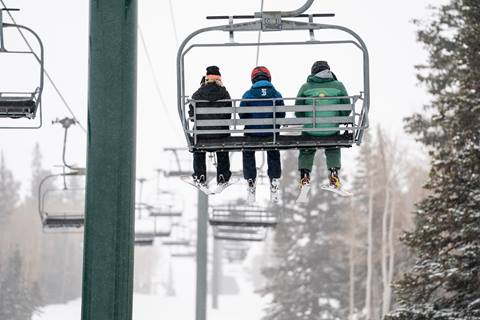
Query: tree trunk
x=391, y=246
x=352, y=280
x=385, y=236
x=368, y=287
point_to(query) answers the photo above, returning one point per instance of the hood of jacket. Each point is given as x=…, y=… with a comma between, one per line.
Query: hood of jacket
x=211, y=92
x=321, y=77
x=262, y=89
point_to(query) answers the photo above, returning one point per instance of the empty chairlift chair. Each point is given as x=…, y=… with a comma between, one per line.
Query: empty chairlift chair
x=22, y=103
x=165, y=204
x=239, y=233
x=181, y=236
x=242, y=217
x=61, y=201
x=286, y=133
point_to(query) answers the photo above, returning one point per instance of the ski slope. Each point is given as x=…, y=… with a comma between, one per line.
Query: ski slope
x=245, y=305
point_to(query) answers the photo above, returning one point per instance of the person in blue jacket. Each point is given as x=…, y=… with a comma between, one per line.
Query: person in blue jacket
x=263, y=90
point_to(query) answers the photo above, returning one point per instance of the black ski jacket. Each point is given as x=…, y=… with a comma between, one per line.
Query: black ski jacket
x=212, y=93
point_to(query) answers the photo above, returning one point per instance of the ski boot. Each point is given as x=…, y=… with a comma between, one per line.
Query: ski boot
x=198, y=182
x=222, y=184
x=251, y=189
x=333, y=179
x=334, y=184
x=304, y=186
x=274, y=184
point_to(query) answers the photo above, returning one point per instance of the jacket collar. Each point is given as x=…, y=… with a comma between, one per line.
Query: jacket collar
x=262, y=84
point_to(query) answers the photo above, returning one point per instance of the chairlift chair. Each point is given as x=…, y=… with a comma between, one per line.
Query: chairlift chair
x=143, y=241
x=242, y=217
x=239, y=233
x=21, y=104
x=290, y=134
x=181, y=236
x=235, y=255
x=148, y=227
x=59, y=218
x=165, y=204
x=183, y=251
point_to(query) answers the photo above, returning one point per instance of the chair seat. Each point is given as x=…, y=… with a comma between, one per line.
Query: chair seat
x=63, y=222
x=242, y=222
x=16, y=102
x=282, y=142
x=17, y=108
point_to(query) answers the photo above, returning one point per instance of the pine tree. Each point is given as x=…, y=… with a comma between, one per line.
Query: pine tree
x=8, y=190
x=38, y=172
x=18, y=301
x=445, y=280
x=310, y=279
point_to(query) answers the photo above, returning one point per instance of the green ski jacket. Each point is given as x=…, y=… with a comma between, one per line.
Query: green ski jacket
x=322, y=87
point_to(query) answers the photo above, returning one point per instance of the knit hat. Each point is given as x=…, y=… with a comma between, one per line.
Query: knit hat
x=213, y=70
x=319, y=66
x=260, y=73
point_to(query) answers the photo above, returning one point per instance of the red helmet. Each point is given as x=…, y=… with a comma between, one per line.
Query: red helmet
x=260, y=73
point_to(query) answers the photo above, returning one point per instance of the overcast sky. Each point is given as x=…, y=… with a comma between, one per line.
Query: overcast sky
x=384, y=25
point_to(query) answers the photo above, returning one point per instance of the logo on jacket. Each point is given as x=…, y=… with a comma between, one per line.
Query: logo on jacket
x=264, y=92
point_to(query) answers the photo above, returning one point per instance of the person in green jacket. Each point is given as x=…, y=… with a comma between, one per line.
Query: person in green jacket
x=322, y=82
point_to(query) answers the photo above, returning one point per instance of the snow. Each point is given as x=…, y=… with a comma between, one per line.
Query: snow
x=245, y=305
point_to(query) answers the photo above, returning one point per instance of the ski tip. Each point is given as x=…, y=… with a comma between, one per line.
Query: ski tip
x=340, y=192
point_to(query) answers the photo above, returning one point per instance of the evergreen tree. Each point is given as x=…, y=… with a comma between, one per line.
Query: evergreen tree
x=8, y=190
x=445, y=280
x=310, y=278
x=38, y=172
x=18, y=301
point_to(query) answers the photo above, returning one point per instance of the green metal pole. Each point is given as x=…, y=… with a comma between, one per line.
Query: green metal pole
x=202, y=255
x=110, y=198
x=216, y=272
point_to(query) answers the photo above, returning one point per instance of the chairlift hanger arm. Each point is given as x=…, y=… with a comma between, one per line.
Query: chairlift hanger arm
x=291, y=14
x=299, y=11
x=239, y=17
x=66, y=124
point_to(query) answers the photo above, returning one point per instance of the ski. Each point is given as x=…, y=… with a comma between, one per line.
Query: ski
x=274, y=192
x=203, y=188
x=304, y=191
x=222, y=186
x=340, y=192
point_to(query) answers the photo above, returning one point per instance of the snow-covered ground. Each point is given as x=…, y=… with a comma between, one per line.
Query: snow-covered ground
x=245, y=305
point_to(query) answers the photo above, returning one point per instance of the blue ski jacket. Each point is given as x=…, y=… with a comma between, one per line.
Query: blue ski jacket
x=262, y=89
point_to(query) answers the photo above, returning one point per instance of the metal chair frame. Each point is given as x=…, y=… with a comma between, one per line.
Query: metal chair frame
x=242, y=217
x=272, y=21
x=12, y=104
x=58, y=220
x=239, y=233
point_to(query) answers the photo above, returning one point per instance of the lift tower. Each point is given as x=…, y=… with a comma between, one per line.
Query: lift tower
x=110, y=196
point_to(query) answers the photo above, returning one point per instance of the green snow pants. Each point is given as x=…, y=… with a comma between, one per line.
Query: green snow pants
x=306, y=157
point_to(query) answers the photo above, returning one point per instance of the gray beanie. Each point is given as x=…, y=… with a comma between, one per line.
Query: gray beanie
x=319, y=66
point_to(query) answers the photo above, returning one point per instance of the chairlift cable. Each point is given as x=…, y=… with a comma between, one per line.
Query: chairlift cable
x=259, y=38
x=45, y=70
x=174, y=25
x=155, y=80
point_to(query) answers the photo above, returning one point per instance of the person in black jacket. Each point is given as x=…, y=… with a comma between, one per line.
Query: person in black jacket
x=211, y=90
